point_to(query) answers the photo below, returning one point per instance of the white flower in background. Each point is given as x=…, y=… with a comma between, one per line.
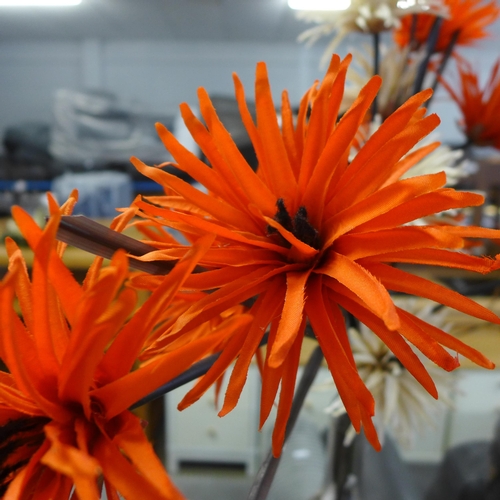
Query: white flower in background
x=442, y=158
x=398, y=69
x=402, y=406
x=368, y=16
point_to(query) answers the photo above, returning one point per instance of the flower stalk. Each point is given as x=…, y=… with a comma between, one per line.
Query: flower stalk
x=267, y=470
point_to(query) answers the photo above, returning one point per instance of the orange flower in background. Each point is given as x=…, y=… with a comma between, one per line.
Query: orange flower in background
x=480, y=107
x=310, y=234
x=63, y=425
x=467, y=22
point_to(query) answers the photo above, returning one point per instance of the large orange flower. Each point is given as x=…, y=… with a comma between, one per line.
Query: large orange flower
x=480, y=107
x=311, y=234
x=63, y=424
x=466, y=22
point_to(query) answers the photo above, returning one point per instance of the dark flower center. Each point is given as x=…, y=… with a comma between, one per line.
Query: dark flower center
x=96, y=408
x=19, y=439
x=394, y=359
x=299, y=226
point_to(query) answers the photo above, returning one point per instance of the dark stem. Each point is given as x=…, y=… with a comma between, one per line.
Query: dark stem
x=84, y=233
x=464, y=145
x=267, y=471
x=442, y=65
x=376, y=68
x=413, y=32
x=196, y=371
x=430, y=47
x=343, y=458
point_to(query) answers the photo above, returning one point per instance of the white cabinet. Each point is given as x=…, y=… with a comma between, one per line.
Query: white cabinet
x=473, y=418
x=198, y=436
x=477, y=407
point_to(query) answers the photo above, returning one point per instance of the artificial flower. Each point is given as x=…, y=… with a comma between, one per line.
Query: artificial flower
x=367, y=16
x=64, y=426
x=404, y=408
x=465, y=23
x=310, y=234
x=437, y=158
x=480, y=107
x=398, y=69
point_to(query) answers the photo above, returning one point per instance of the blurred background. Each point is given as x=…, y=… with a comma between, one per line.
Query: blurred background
x=80, y=90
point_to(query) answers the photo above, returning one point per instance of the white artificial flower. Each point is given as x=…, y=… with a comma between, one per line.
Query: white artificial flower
x=398, y=69
x=443, y=158
x=402, y=405
x=368, y=16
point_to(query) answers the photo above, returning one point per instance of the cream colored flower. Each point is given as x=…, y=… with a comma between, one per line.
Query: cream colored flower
x=368, y=16
x=398, y=69
x=402, y=406
x=443, y=158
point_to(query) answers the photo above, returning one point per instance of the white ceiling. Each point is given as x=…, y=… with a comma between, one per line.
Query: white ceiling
x=211, y=20
x=214, y=20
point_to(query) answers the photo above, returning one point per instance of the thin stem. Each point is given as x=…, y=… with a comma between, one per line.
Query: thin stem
x=376, y=68
x=196, y=371
x=267, y=471
x=431, y=45
x=343, y=460
x=413, y=32
x=442, y=65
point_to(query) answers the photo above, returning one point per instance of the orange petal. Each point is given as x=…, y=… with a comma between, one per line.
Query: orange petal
x=275, y=161
x=340, y=366
x=264, y=310
x=364, y=285
x=338, y=143
x=127, y=346
x=380, y=203
x=290, y=325
x=288, y=383
x=133, y=442
x=70, y=461
x=391, y=339
x=123, y=475
x=438, y=257
x=227, y=356
x=400, y=239
x=401, y=281
x=421, y=206
x=122, y=393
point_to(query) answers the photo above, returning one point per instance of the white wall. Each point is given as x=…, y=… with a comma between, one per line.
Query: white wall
x=158, y=74
x=162, y=74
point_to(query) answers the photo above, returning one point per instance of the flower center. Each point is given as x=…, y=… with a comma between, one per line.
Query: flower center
x=97, y=409
x=299, y=225
x=19, y=439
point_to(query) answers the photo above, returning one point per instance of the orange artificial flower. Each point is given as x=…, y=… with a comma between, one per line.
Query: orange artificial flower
x=311, y=234
x=63, y=423
x=480, y=107
x=467, y=21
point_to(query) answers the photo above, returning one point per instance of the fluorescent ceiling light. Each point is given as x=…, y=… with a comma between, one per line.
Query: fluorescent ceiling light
x=39, y=3
x=319, y=4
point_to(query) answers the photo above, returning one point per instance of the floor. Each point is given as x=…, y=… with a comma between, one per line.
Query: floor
x=210, y=485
